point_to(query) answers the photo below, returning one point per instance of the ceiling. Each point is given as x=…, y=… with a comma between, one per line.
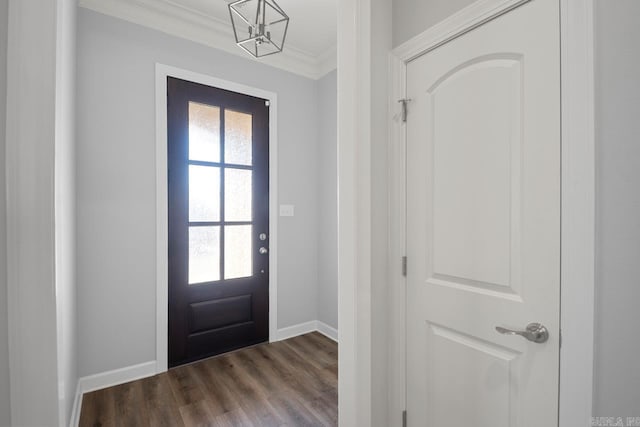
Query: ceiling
x=312, y=27
x=310, y=49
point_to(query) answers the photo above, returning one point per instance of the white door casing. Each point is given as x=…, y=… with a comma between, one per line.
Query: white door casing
x=483, y=224
x=163, y=71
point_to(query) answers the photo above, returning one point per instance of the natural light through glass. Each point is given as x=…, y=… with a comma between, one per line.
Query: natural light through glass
x=237, y=138
x=237, y=194
x=204, y=254
x=204, y=193
x=237, y=251
x=204, y=132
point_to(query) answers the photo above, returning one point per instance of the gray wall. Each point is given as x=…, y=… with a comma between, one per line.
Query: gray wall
x=328, y=202
x=116, y=184
x=412, y=17
x=617, y=373
x=5, y=407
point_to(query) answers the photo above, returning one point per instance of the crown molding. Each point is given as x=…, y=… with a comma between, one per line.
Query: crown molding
x=328, y=61
x=187, y=23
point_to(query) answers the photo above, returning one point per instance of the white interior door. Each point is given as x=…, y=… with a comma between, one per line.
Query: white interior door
x=483, y=224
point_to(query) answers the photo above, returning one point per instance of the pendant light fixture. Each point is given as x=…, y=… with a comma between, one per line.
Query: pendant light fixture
x=260, y=26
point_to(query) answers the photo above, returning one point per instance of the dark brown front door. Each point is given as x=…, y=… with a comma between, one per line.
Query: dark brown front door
x=218, y=157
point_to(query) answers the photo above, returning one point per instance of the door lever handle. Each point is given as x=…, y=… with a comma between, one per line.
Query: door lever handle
x=535, y=332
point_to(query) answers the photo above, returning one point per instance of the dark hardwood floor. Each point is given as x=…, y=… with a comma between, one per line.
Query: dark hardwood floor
x=287, y=383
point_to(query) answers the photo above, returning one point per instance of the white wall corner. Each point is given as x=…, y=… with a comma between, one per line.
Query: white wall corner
x=108, y=379
x=308, y=327
x=74, y=419
x=354, y=211
x=297, y=330
x=116, y=377
x=578, y=212
x=397, y=241
x=327, y=62
x=31, y=221
x=328, y=331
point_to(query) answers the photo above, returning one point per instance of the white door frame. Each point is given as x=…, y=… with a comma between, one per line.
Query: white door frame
x=578, y=199
x=162, y=239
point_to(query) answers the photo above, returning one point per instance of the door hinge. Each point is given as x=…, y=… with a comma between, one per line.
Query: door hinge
x=404, y=418
x=404, y=266
x=405, y=111
x=267, y=103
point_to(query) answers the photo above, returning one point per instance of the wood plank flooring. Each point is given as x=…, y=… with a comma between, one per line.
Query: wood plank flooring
x=287, y=383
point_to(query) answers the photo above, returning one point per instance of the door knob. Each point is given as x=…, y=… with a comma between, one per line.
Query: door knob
x=535, y=332
x=263, y=250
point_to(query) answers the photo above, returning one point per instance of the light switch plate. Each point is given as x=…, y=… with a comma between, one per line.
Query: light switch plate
x=286, y=210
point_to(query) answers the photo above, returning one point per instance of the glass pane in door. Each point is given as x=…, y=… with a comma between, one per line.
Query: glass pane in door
x=204, y=254
x=237, y=138
x=204, y=132
x=204, y=193
x=238, y=251
x=237, y=194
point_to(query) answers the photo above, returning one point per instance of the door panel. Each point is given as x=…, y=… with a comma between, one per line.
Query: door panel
x=483, y=218
x=218, y=155
x=461, y=368
x=473, y=237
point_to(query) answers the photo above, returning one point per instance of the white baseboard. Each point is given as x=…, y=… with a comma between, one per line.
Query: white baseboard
x=328, y=331
x=295, y=330
x=117, y=377
x=307, y=327
x=124, y=375
x=108, y=379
